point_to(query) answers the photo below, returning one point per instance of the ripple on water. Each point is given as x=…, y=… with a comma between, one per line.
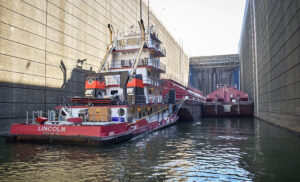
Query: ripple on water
x=207, y=150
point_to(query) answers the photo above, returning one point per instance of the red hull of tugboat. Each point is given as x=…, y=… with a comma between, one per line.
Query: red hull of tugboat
x=87, y=135
x=65, y=130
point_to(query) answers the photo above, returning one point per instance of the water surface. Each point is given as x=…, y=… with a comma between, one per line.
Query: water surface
x=210, y=149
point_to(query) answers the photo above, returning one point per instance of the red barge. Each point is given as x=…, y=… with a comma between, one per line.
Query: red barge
x=125, y=98
x=227, y=101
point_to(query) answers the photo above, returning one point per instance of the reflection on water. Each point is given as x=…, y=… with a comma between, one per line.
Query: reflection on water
x=207, y=150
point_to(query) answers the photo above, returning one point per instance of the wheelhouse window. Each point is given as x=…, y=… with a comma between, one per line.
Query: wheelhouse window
x=113, y=92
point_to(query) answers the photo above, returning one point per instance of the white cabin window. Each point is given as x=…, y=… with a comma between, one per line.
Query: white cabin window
x=130, y=91
x=122, y=63
x=113, y=92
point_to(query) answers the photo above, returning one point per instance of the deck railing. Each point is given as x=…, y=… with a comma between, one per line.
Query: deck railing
x=155, y=63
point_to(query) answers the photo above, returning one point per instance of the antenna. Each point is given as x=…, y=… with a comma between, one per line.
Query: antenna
x=148, y=16
x=141, y=9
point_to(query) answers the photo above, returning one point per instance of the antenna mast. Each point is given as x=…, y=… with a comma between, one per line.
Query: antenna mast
x=141, y=9
x=148, y=16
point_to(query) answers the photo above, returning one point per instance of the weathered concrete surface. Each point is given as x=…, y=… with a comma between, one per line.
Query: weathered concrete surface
x=190, y=111
x=207, y=73
x=270, y=57
x=36, y=35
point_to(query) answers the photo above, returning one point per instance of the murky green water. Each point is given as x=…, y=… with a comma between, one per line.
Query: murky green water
x=206, y=150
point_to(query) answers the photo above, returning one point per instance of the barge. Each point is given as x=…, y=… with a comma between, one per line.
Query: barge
x=227, y=101
x=123, y=99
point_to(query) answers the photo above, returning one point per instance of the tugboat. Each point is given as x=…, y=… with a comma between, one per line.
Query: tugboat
x=122, y=100
x=227, y=101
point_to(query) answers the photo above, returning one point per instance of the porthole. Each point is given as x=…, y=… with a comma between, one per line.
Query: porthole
x=63, y=113
x=121, y=112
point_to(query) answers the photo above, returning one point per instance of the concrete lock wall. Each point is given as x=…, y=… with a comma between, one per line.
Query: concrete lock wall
x=207, y=73
x=270, y=56
x=41, y=41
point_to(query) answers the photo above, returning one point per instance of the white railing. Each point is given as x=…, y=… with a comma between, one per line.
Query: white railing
x=143, y=62
x=112, y=80
x=152, y=81
x=151, y=99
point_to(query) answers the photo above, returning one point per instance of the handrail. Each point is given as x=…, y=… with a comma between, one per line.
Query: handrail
x=143, y=62
x=179, y=102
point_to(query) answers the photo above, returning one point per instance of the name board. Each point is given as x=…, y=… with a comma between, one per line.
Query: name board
x=52, y=129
